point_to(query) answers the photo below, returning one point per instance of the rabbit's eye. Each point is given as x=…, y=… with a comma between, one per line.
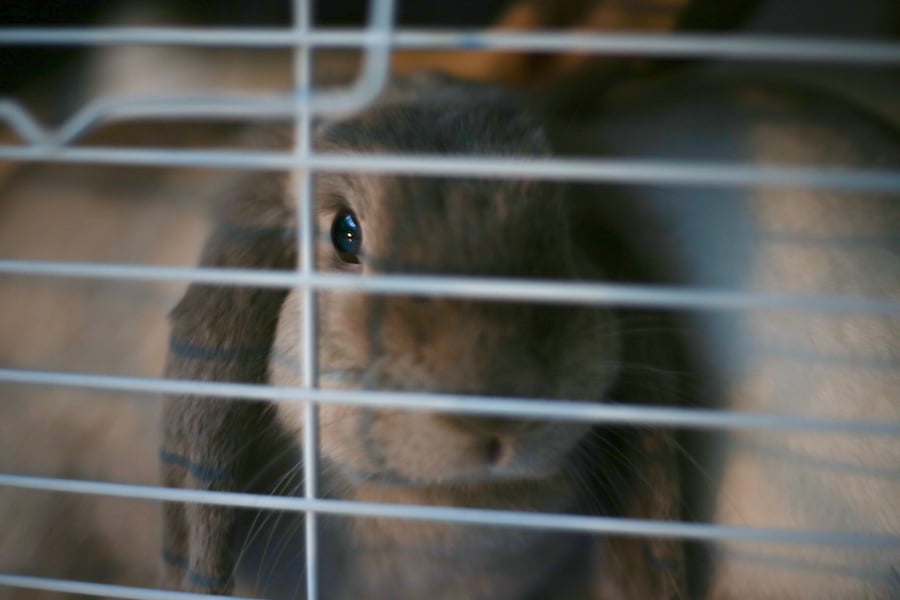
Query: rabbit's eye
x=346, y=236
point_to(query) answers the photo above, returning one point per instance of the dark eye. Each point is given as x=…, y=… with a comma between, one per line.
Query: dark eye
x=346, y=235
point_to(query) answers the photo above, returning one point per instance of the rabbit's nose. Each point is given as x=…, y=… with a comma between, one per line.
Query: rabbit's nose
x=490, y=426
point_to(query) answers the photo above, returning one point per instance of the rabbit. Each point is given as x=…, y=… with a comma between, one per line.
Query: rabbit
x=370, y=224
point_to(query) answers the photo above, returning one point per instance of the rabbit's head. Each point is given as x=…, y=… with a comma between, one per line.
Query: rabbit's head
x=404, y=225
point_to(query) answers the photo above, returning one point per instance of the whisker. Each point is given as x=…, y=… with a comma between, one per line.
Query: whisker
x=256, y=527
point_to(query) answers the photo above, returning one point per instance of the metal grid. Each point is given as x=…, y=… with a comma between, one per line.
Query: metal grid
x=377, y=40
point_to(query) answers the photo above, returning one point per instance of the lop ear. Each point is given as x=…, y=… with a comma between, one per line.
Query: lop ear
x=221, y=333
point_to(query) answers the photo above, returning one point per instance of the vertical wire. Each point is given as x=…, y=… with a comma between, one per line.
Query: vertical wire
x=305, y=248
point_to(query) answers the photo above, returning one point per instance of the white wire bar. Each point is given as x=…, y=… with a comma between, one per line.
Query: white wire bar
x=500, y=289
x=730, y=46
x=467, y=516
x=102, y=590
x=303, y=191
x=560, y=410
x=625, y=171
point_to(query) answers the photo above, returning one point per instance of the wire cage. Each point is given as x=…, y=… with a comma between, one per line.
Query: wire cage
x=37, y=143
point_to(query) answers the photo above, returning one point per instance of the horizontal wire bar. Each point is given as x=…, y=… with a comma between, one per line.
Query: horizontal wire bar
x=561, y=410
x=682, y=45
x=469, y=516
x=498, y=289
x=568, y=169
x=102, y=590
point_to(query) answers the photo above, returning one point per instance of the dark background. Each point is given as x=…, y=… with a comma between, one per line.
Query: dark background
x=18, y=65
